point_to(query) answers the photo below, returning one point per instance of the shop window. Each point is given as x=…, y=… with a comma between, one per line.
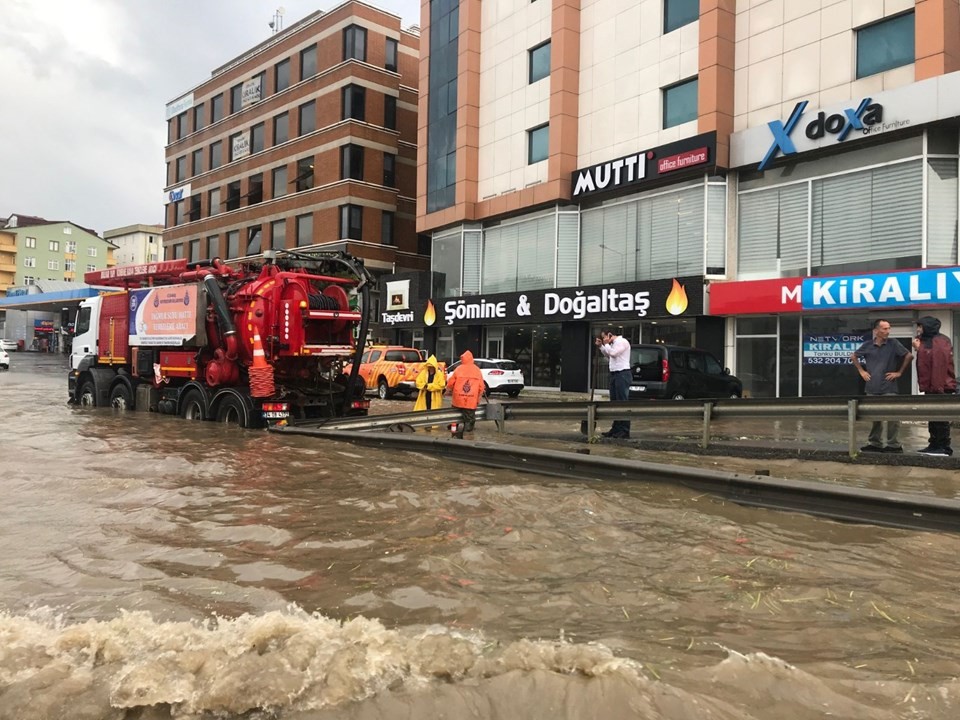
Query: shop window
x=304, y=230
x=308, y=62
x=281, y=75
x=886, y=45
x=677, y=13
x=355, y=43
x=517, y=256
x=680, y=103
x=351, y=222
x=942, y=211
x=538, y=144
x=391, y=54
x=539, y=62
x=353, y=103
x=773, y=232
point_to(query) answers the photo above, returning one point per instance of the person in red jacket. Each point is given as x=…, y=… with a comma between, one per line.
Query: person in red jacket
x=466, y=387
x=936, y=376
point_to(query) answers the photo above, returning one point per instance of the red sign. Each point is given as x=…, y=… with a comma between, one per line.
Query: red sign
x=750, y=297
x=682, y=160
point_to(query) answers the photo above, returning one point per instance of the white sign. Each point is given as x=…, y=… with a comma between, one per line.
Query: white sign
x=177, y=194
x=398, y=295
x=816, y=127
x=251, y=92
x=179, y=105
x=241, y=146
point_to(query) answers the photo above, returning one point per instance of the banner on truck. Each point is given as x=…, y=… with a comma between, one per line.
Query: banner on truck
x=164, y=316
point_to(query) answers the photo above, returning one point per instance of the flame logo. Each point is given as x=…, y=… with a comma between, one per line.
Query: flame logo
x=430, y=316
x=677, y=299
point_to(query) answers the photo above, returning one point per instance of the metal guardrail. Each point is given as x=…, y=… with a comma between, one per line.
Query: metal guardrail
x=866, y=408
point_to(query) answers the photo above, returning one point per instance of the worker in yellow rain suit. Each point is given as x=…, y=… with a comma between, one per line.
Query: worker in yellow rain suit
x=430, y=382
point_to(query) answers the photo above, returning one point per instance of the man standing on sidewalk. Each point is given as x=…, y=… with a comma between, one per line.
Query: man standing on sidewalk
x=617, y=349
x=936, y=376
x=880, y=362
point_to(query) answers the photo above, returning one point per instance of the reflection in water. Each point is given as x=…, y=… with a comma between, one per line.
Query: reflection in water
x=153, y=563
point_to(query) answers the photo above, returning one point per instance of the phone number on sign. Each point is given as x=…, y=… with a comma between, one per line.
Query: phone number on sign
x=826, y=361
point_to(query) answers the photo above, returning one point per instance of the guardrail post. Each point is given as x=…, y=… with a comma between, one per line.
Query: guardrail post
x=591, y=420
x=707, y=412
x=852, y=427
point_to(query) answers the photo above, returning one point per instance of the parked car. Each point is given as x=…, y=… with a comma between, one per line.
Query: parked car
x=8, y=345
x=390, y=369
x=4, y=360
x=672, y=372
x=499, y=375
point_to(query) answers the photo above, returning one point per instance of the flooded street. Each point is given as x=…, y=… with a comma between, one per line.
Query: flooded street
x=155, y=568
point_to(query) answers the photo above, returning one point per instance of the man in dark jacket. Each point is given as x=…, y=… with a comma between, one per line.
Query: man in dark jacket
x=936, y=376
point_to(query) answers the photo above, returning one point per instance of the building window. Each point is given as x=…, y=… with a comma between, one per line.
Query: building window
x=198, y=117
x=213, y=202
x=197, y=161
x=30, y=262
x=254, y=237
x=179, y=212
x=351, y=222
x=216, y=154
x=351, y=162
x=539, y=62
x=308, y=62
x=538, y=144
x=30, y=242
x=441, y=117
x=239, y=146
x=233, y=244
x=677, y=13
x=281, y=75
x=70, y=265
x=304, y=179
x=236, y=95
x=71, y=246
x=194, y=213
x=279, y=181
x=181, y=125
x=233, y=195
x=390, y=112
x=181, y=169
x=278, y=234
x=54, y=245
x=386, y=229
x=213, y=246
x=355, y=43
x=885, y=45
x=256, y=138
x=680, y=103
x=353, y=103
x=304, y=230
x=281, y=128
x=53, y=264
x=391, y=53
x=195, y=250
x=308, y=117
x=255, y=189
x=90, y=268
x=389, y=170
x=216, y=108
x=92, y=252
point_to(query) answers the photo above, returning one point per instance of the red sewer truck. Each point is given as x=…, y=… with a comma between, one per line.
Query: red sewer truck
x=252, y=345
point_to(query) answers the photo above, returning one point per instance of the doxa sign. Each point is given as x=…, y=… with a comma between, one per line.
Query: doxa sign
x=862, y=117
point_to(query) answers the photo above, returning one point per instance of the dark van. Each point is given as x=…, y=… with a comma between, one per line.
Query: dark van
x=671, y=372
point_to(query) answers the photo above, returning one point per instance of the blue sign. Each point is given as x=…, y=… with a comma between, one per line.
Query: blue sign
x=831, y=349
x=938, y=286
x=867, y=113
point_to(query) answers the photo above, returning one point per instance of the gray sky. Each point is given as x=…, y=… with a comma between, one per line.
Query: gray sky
x=85, y=84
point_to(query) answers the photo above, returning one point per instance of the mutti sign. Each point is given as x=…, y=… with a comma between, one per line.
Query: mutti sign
x=691, y=153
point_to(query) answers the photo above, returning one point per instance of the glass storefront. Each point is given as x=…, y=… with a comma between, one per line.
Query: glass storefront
x=663, y=332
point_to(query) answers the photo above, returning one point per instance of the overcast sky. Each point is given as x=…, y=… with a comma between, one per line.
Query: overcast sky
x=85, y=85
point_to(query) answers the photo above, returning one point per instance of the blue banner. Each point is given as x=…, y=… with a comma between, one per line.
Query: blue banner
x=938, y=286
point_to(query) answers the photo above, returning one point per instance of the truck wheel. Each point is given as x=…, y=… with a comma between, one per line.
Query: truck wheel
x=383, y=389
x=87, y=395
x=193, y=407
x=231, y=411
x=120, y=397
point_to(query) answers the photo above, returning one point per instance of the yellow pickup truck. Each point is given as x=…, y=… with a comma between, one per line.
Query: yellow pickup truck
x=391, y=369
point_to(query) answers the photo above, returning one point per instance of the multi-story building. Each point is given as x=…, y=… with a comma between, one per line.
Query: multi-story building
x=136, y=243
x=307, y=140
x=684, y=170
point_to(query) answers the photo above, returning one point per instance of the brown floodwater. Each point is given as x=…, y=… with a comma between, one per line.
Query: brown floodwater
x=154, y=568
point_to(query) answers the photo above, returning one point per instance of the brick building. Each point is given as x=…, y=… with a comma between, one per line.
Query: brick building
x=307, y=139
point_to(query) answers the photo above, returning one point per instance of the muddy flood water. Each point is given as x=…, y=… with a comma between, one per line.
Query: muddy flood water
x=154, y=568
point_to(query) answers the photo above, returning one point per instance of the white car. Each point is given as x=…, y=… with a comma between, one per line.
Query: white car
x=8, y=345
x=4, y=360
x=499, y=375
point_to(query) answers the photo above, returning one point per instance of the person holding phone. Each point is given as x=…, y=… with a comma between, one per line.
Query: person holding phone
x=616, y=349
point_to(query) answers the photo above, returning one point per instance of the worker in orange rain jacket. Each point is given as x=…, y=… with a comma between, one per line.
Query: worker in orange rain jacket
x=430, y=382
x=466, y=386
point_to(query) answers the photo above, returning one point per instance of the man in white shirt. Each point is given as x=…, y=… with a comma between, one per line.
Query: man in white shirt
x=617, y=350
